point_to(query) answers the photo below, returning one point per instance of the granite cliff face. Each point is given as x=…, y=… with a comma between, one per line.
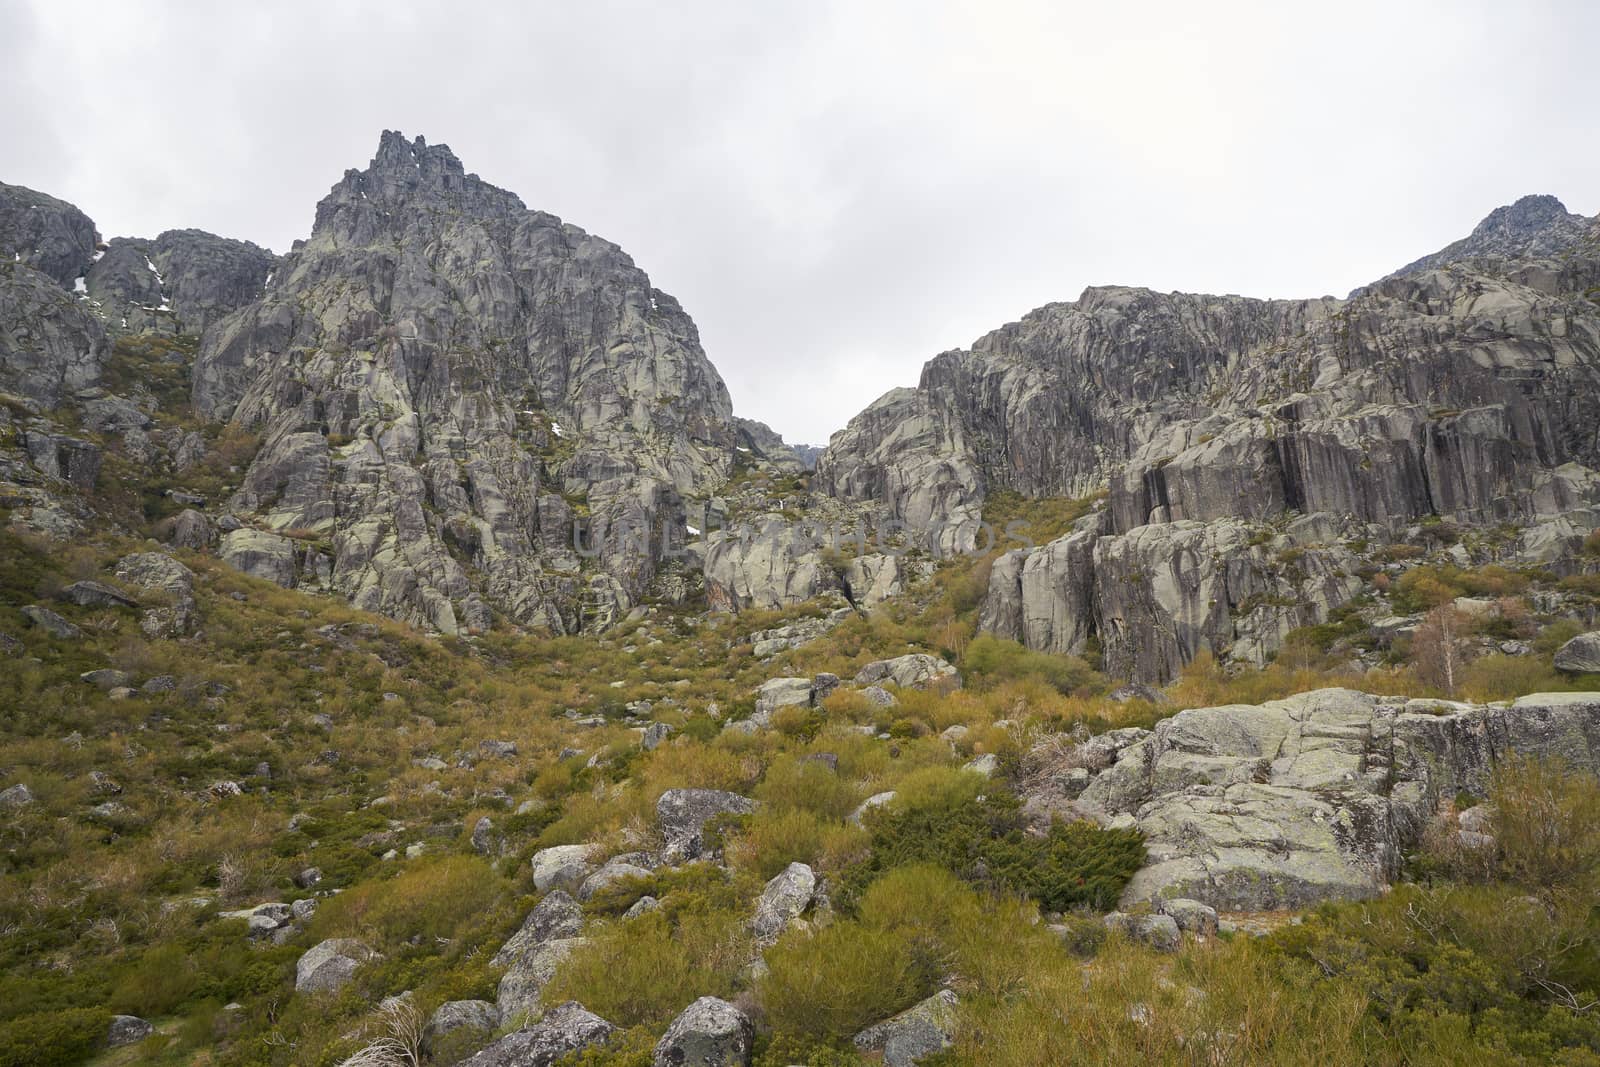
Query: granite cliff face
x=450, y=388
x=1467, y=388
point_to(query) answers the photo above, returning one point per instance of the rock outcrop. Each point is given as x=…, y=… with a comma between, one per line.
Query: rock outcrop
x=180, y=282
x=45, y=234
x=1311, y=798
x=478, y=407
x=1465, y=387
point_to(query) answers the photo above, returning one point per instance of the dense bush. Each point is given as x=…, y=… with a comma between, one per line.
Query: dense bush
x=53, y=1039
x=991, y=660
x=982, y=838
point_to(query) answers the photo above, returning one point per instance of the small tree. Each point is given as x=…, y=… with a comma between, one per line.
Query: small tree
x=1436, y=649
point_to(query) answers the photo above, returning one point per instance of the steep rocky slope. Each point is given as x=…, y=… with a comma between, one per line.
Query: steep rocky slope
x=457, y=394
x=1467, y=389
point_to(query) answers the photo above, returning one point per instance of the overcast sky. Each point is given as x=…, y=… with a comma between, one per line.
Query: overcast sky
x=838, y=191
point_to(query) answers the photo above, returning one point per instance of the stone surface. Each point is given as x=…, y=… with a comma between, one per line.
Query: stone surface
x=915, y=1033
x=1310, y=798
x=518, y=995
x=330, y=965
x=785, y=899
x=709, y=1033
x=455, y=1015
x=916, y=671
x=683, y=813
x=127, y=1030
x=566, y=1028
x=562, y=867
x=494, y=361
x=178, y=613
x=1580, y=655
x=50, y=622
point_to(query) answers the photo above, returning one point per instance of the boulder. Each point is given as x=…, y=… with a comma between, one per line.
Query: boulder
x=260, y=555
x=1581, y=655
x=529, y=972
x=51, y=623
x=191, y=530
x=160, y=573
x=564, y=1029
x=127, y=1030
x=106, y=678
x=872, y=803
x=330, y=965
x=1159, y=932
x=16, y=796
x=455, y=1015
x=1191, y=916
x=615, y=870
x=914, y=1034
x=709, y=1033
x=562, y=867
x=785, y=899
x=780, y=693
x=916, y=671
x=683, y=813
x=88, y=594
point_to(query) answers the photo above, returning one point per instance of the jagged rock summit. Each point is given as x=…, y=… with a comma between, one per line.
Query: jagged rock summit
x=458, y=397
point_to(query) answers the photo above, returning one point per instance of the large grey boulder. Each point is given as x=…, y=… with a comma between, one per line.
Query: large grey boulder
x=518, y=994
x=915, y=671
x=455, y=1015
x=683, y=813
x=50, y=622
x=914, y=1034
x=15, y=797
x=127, y=1030
x=562, y=867
x=709, y=1033
x=566, y=1028
x=179, y=614
x=91, y=594
x=1581, y=655
x=613, y=871
x=555, y=917
x=785, y=899
x=330, y=965
x=260, y=555
x=778, y=693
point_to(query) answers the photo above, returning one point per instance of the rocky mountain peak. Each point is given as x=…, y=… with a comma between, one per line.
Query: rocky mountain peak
x=406, y=175
x=1536, y=226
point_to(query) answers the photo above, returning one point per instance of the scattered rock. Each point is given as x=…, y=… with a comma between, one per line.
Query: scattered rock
x=51, y=623
x=916, y=671
x=562, y=867
x=554, y=918
x=640, y=906
x=95, y=595
x=1581, y=655
x=455, y=1015
x=17, y=796
x=330, y=965
x=528, y=974
x=784, y=900
x=1191, y=916
x=127, y=1030
x=564, y=1029
x=308, y=877
x=709, y=1033
x=876, y=800
x=683, y=813
x=615, y=870
x=916, y=1033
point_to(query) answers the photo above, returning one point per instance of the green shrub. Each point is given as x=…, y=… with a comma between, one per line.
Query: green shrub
x=839, y=980
x=984, y=841
x=53, y=1039
x=990, y=660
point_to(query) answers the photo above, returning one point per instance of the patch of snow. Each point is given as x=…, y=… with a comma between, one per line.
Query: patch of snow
x=16, y=257
x=80, y=286
x=555, y=428
x=694, y=531
x=98, y=254
x=159, y=279
x=268, y=282
x=653, y=306
x=741, y=448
